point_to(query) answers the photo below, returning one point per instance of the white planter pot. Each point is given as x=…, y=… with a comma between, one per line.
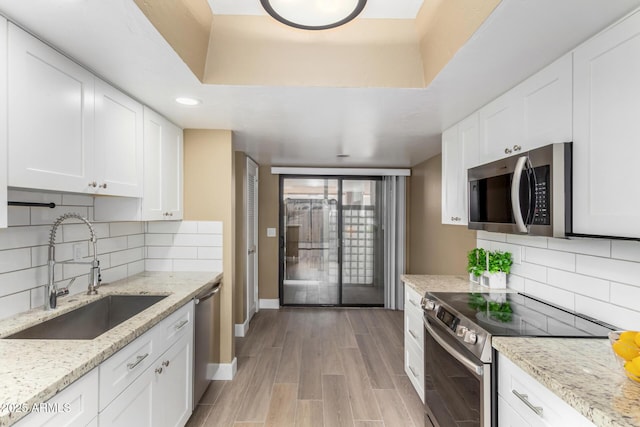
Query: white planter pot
x=473, y=278
x=495, y=280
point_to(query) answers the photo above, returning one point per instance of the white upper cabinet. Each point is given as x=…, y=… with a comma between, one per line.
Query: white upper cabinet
x=606, y=118
x=118, y=142
x=3, y=123
x=50, y=107
x=459, y=152
x=68, y=131
x=535, y=113
x=163, y=151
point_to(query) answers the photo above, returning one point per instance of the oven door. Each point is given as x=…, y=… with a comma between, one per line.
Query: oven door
x=457, y=390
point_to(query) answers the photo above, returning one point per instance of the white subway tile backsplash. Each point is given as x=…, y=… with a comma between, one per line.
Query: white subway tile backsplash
x=579, y=284
x=64, y=252
x=158, y=239
x=127, y=256
x=14, y=304
x=158, y=264
x=209, y=253
x=486, y=235
x=16, y=259
x=597, y=247
x=197, y=265
x=22, y=280
x=611, y=269
x=620, y=317
x=73, y=270
x=547, y=257
x=530, y=271
x=515, y=282
x=168, y=252
x=626, y=249
x=516, y=251
x=533, y=241
x=625, y=295
x=37, y=297
x=114, y=273
x=172, y=227
x=18, y=215
x=22, y=237
x=135, y=267
x=112, y=244
x=48, y=216
x=197, y=240
x=34, y=196
x=550, y=293
x=77, y=200
x=77, y=232
x=135, y=241
x=125, y=228
x=210, y=227
x=484, y=244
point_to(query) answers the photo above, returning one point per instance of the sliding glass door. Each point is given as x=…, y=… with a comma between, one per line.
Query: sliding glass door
x=331, y=241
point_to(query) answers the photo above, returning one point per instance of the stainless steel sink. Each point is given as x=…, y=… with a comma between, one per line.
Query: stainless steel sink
x=91, y=320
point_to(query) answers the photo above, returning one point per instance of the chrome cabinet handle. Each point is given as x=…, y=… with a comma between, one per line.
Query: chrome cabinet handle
x=413, y=303
x=517, y=148
x=181, y=324
x=165, y=363
x=93, y=184
x=413, y=372
x=158, y=370
x=455, y=218
x=508, y=151
x=525, y=399
x=139, y=359
x=103, y=185
x=413, y=334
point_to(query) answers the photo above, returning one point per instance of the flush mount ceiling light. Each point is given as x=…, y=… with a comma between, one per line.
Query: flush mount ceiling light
x=313, y=14
x=188, y=101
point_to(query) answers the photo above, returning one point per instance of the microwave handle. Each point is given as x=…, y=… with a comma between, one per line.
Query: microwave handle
x=515, y=195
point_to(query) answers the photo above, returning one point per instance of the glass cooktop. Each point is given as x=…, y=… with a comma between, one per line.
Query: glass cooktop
x=513, y=314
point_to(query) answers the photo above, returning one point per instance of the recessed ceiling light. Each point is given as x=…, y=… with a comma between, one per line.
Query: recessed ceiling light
x=313, y=15
x=188, y=101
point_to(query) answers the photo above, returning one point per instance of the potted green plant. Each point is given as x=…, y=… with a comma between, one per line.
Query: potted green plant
x=498, y=266
x=476, y=264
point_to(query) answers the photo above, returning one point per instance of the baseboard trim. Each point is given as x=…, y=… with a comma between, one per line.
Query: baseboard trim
x=269, y=304
x=222, y=371
x=241, y=329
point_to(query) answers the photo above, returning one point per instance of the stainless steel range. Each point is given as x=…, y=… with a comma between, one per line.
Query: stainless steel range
x=460, y=370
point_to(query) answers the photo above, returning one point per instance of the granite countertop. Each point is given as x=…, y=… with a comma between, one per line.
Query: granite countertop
x=583, y=372
x=32, y=371
x=422, y=283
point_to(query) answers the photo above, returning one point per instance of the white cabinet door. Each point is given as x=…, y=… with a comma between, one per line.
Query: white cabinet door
x=163, y=151
x=454, y=178
x=507, y=416
x=172, y=171
x=135, y=406
x=500, y=123
x=174, y=399
x=546, y=106
x=77, y=405
x=3, y=122
x=118, y=142
x=50, y=107
x=606, y=118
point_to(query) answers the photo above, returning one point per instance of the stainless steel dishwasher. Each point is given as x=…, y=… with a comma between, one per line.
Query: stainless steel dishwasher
x=202, y=340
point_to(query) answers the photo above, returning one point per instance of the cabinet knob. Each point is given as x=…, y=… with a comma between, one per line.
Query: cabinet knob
x=517, y=148
x=93, y=184
x=507, y=151
x=158, y=370
x=103, y=185
x=455, y=218
x=165, y=363
x=170, y=213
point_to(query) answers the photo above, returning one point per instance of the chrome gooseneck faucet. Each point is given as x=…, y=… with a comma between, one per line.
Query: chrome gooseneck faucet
x=51, y=289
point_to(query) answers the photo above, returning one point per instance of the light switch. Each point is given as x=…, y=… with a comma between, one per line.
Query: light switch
x=271, y=232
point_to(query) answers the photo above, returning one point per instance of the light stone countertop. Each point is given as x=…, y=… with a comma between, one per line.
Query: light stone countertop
x=581, y=371
x=423, y=283
x=32, y=371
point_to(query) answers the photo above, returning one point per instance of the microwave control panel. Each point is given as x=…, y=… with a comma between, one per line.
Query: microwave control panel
x=542, y=213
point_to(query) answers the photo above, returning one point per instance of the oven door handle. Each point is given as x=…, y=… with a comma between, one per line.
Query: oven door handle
x=515, y=194
x=465, y=361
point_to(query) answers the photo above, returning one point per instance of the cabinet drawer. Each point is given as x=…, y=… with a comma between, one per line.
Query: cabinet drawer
x=175, y=327
x=412, y=301
x=76, y=405
x=121, y=369
x=553, y=411
x=414, y=367
x=414, y=329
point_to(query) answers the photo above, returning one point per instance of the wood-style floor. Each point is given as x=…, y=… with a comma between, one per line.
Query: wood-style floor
x=316, y=367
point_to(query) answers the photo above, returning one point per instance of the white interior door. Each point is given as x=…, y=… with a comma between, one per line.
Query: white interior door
x=252, y=238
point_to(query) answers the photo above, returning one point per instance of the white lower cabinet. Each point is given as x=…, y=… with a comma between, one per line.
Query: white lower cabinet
x=77, y=405
x=3, y=123
x=414, y=340
x=523, y=401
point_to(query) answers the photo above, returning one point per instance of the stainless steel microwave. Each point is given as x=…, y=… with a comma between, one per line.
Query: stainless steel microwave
x=529, y=193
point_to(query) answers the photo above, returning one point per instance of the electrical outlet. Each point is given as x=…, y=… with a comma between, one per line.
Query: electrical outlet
x=77, y=251
x=271, y=232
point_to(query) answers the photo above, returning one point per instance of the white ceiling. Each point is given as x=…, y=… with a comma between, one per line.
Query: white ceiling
x=374, y=9
x=292, y=126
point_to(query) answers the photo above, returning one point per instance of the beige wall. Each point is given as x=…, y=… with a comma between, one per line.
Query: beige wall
x=433, y=248
x=240, y=160
x=444, y=26
x=268, y=248
x=209, y=195
x=186, y=25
